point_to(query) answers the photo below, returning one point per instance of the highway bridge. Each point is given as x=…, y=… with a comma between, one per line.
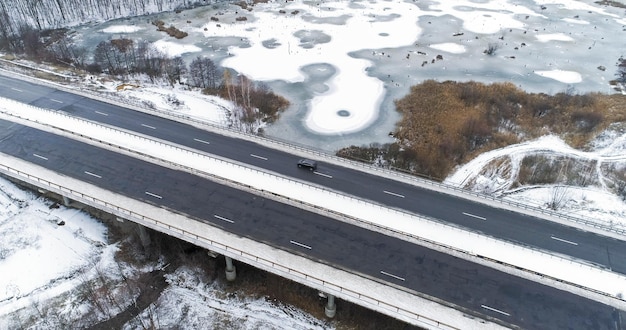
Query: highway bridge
x=394, y=275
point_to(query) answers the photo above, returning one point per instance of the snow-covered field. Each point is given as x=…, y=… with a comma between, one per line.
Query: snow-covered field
x=347, y=96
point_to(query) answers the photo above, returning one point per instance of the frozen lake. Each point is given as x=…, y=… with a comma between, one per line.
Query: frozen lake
x=342, y=64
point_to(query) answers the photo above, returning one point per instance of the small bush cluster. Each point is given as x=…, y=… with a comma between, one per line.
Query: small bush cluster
x=242, y=4
x=172, y=31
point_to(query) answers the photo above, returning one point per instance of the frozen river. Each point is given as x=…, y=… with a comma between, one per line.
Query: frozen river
x=342, y=64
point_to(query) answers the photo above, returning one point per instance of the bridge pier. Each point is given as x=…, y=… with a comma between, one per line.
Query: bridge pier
x=231, y=271
x=330, y=309
x=66, y=201
x=144, y=236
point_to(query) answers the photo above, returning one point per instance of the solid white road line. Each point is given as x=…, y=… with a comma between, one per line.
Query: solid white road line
x=148, y=126
x=393, y=194
x=257, y=156
x=17, y=90
x=153, y=195
x=324, y=175
x=563, y=240
x=102, y=113
x=222, y=218
x=300, y=244
x=57, y=101
x=391, y=275
x=474, y=216
x=495, y=310
x=94, y=175
x=202, y=141
x=39, y=156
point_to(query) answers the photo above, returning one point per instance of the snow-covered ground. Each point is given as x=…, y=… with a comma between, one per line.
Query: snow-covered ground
x=563, y=46
x=598, y=201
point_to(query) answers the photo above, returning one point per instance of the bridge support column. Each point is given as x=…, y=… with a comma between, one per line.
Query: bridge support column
x=66, y=201
x=231, y=271
x=330, y=309
x=144, y=236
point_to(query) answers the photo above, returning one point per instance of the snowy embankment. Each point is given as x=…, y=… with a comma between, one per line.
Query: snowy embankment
x=553, y=266
x=592, y=202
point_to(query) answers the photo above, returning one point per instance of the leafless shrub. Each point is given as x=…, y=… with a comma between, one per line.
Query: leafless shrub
x=491, y=49
x=560, y=195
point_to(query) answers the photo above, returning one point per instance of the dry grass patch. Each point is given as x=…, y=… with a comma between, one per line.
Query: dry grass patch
x=445, y=124
x=615, y=178
x=172, y=31
x=543, y=169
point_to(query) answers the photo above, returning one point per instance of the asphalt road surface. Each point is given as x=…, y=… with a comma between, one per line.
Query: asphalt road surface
x=476, y=289
x=502, y=224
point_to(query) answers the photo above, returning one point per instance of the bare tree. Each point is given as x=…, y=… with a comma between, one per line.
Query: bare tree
x=175, y=69
x=560, y=194
x=245, y=84
x=31, y=41
x=621, y=70
x=104, y=57
x=204, y=73
x=230, y=88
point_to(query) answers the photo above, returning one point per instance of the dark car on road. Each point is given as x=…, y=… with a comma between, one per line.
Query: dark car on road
x=307, y=163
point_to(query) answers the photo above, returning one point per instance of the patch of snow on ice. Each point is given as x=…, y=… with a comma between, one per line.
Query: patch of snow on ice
x=342, y=108
x=484, y=17
x=450, y=47
x=575, y=21
x=173, y=49
x=121, y=29
x=568, y=77
x=574, y=5
x=553, y=37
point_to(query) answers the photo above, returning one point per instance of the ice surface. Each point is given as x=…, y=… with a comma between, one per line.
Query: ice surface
x=377, y=50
